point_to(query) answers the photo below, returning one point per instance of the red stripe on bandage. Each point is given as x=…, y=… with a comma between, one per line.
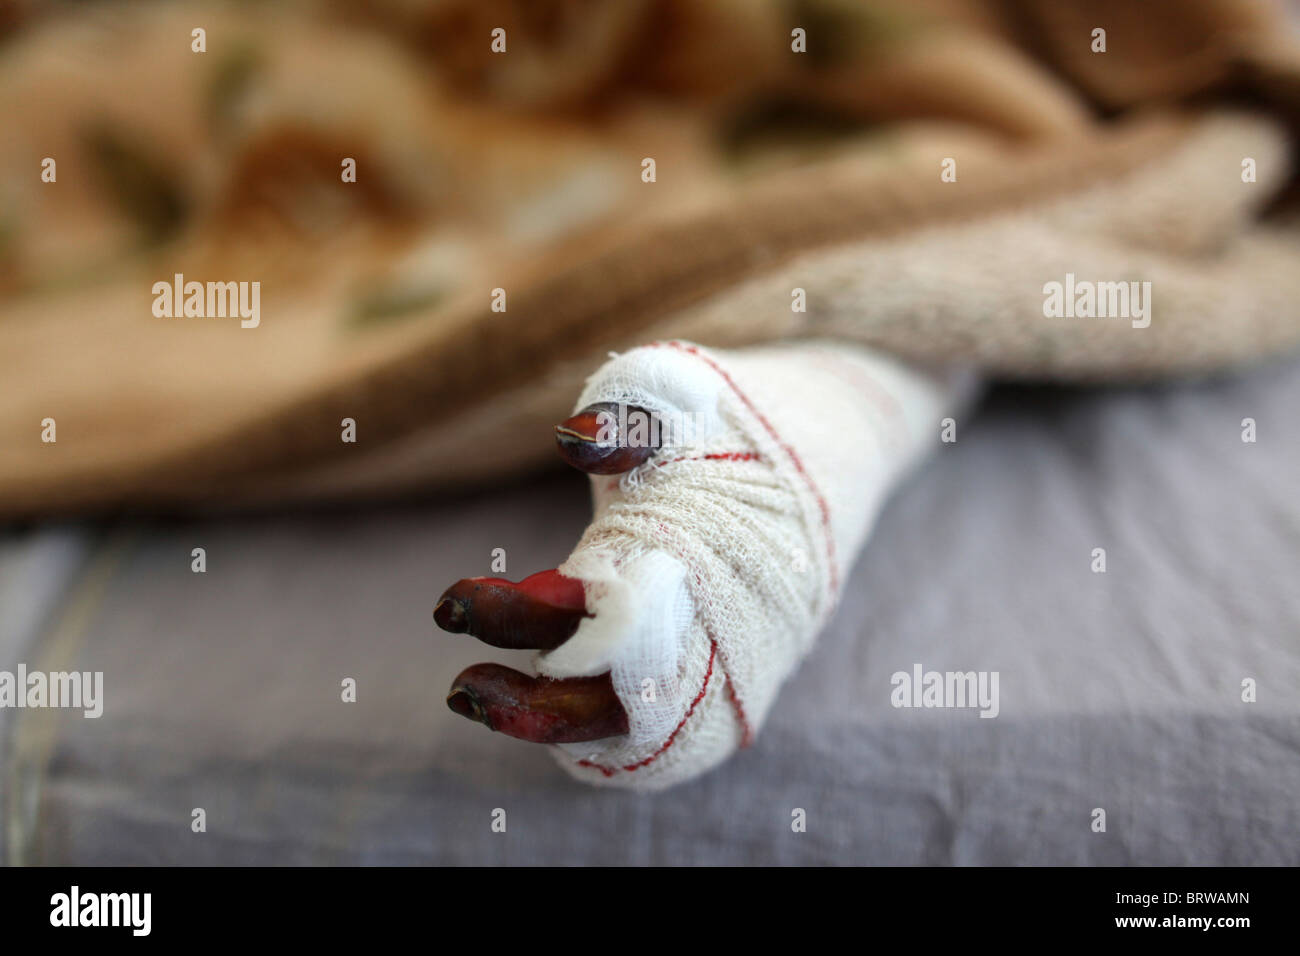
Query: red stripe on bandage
x=708, y=674
x=785, y=447
x=746, y=731
x=728, y=456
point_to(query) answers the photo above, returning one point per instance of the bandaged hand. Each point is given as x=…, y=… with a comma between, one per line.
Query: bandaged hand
x=732, y=492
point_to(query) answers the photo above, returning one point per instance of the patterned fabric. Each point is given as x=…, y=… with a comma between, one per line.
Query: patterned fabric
x=482, y=185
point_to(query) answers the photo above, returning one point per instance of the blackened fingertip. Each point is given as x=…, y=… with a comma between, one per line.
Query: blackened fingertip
x=450, y=615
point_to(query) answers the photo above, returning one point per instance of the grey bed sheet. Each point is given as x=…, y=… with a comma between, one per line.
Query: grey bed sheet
x=1120, y=691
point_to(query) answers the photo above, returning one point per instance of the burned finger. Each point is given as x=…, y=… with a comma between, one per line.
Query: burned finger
x=539, y=709
x=540, y=612
x=607, y=438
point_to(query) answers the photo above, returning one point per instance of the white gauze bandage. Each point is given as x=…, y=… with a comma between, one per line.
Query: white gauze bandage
x=711, y=568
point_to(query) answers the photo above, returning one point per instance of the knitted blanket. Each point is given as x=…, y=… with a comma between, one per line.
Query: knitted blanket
x=436, y=242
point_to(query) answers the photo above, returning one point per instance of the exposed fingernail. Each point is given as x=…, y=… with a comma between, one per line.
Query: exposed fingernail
x=607, y=438
x=450, y=616
x=462, y=701
x=538, y=709
x=540, y=612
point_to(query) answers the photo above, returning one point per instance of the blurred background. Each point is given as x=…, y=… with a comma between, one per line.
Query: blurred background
x=478, y=170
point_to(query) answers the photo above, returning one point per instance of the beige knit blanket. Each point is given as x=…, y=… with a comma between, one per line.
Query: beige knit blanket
x=915, y=176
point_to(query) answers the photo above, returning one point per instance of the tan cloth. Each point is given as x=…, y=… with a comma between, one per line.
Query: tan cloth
x=522, y=172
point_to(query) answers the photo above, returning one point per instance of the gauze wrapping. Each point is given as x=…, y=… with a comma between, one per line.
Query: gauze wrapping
x=712, y=567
